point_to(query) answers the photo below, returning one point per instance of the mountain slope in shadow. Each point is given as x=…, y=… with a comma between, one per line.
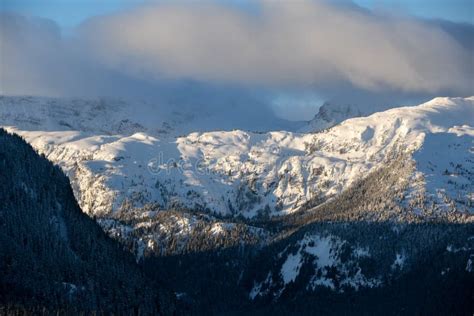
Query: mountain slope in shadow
x=55, y=258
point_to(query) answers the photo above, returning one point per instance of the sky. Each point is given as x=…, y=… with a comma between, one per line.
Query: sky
x=453, y=10
x=69, y=13
x=291, y=56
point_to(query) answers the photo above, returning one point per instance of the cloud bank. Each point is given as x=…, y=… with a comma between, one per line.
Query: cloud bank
x=285, y=43
x=313, y=45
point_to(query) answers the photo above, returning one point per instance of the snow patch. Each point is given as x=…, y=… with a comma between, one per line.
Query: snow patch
x=399, y=262
x=291, y=267
x=324, y=253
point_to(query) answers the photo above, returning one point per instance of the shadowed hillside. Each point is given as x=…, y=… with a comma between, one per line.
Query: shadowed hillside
x=54, y=256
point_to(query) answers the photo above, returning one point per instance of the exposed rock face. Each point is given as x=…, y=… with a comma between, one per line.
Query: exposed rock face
x=330, y=114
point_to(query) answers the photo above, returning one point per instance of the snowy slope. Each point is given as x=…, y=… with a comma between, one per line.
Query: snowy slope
x=348, y=257
x=238, y=172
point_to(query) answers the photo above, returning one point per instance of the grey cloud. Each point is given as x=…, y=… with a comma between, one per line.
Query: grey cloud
x=36, y=60
x=285, y=43
x=238, y=57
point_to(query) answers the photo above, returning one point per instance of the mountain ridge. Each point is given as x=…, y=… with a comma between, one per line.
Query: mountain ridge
x=241, y=159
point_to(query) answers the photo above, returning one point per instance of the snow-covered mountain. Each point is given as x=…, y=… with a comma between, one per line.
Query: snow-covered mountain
x=112, y=161
x=290, y=213
x=111, y=116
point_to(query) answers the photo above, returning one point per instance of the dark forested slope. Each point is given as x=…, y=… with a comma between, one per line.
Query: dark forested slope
x=52, y=255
